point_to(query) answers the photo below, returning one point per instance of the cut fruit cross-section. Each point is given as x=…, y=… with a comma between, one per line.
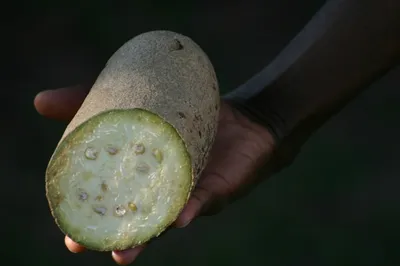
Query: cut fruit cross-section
x=119, y=179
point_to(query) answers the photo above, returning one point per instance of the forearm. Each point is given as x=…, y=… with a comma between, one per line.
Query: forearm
x=342, y=50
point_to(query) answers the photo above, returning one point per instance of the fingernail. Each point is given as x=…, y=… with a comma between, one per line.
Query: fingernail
x=184, y=224
x=126, y=257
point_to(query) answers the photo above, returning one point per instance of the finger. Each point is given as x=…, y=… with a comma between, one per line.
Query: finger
x=198, y=201
x=72, y=246
x=60, y=104
x=125, y=257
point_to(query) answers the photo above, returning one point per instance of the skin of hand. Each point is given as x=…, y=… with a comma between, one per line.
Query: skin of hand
x=240, y=149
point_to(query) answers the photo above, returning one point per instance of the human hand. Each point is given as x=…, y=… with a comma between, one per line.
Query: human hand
x=240, y=149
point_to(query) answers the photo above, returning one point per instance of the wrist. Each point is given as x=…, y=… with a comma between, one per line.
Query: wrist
x=281, y=148
x=256, y=132
x=267, y=119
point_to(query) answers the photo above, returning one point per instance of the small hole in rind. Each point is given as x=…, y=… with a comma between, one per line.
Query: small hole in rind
x=176, y=45
x=181, y=115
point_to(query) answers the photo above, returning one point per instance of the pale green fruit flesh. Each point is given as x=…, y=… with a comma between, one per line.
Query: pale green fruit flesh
x=118, y=180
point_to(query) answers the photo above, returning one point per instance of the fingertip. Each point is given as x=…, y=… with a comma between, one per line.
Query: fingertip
x=41, y=101
x=187, y=215
x=60, y=104
x=125, y=257
x=73, y=246
x=198, y=202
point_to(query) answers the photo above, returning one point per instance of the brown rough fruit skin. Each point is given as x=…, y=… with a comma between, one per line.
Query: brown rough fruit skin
x=168, y=74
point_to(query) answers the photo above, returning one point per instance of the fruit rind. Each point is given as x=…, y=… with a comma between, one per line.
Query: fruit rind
x=163, y=73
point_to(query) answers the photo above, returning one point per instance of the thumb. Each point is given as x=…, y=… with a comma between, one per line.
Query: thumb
x=61, y=104
x=205, y=200
x=200, y=199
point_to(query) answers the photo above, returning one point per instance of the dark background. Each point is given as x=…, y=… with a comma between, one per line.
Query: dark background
x=338, y=204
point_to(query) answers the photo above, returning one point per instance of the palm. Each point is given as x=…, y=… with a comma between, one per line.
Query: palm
x=240, y=148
